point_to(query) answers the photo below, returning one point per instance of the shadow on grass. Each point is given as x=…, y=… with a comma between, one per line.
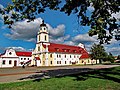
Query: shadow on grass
x=112, y=74
x=106, y=74
x=80, y=74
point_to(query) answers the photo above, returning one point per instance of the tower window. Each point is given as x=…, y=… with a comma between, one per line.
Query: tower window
x=39, y=38
x=45, y=38
x=44, y=28
x=38, y=48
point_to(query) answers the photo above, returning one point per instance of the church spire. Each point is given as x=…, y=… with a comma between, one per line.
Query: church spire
x=43, y=33
x=43, y=24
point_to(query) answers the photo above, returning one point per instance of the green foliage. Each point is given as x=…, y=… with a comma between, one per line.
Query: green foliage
x=118, y=57
x=100, y=19
x=111, y=58
x=98, y=53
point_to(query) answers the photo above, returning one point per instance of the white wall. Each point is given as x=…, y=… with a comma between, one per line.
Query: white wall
x=68, y=59
x=7, y=62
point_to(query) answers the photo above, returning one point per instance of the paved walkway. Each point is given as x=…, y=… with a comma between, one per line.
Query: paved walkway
x=15, y=74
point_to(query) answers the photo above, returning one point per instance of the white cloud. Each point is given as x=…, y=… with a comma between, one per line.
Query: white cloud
x=28, y=31
x=24, y=30
x=60, y=39
x=116, y=15
x=17, y=48
x=69, y=43
x=1, y=7
x=114, y=50
x=84, y=38
x=58, y=31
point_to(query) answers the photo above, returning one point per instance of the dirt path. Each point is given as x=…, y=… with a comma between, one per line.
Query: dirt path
x=14, y=74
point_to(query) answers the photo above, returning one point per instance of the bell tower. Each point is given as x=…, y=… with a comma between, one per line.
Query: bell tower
x=43, y=36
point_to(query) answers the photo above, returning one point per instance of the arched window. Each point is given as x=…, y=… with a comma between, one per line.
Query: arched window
x=51, y=55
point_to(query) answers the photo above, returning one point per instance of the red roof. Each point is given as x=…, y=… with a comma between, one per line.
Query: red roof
x=27, y=54
x=62, y=48
x=37, y=58
x=84, y=56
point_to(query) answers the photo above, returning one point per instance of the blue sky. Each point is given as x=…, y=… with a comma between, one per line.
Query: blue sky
x=62, y=29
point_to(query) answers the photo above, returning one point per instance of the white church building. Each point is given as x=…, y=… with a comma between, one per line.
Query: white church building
x=53, y=54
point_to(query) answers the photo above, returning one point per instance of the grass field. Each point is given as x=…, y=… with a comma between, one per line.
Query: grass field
x=107, y=79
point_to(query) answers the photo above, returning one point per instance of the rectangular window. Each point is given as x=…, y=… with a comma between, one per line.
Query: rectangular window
x=10, y=62
x=21, y=58
x=3, y=62
x=38, y=48
x=45, y=38
x=65, y=62
x=24, y=58
x=60, y=62
x=50, y=62
x=59, y=56
x=65, y=56
x=39, y=38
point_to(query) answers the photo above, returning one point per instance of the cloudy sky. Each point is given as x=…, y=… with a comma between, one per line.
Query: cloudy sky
x=62, y=28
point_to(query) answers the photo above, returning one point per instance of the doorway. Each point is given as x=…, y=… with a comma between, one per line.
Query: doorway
x=15, y=63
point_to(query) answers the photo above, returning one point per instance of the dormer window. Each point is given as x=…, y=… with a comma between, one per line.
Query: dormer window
x=57, y=49
x=74, y=50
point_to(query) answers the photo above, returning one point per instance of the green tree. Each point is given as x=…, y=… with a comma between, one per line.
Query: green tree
x=100, y=19
x=118, y=57
x=110, y=58
x=98, y=53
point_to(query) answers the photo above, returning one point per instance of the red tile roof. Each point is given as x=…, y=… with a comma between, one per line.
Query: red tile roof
x=27, y=54
x=62, y=48
x=37, y=58
x=84, y=56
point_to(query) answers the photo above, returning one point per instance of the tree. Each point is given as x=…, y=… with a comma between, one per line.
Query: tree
x=110, y=58
x=118, y=57
x=100, y=19
x=98, y=53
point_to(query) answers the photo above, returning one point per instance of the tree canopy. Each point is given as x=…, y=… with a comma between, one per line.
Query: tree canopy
x=101, y=19
x=98, y=52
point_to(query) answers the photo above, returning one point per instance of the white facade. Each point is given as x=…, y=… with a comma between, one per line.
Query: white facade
x=11, y=59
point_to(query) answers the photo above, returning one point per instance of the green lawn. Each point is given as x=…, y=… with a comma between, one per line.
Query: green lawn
x=108, y=79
